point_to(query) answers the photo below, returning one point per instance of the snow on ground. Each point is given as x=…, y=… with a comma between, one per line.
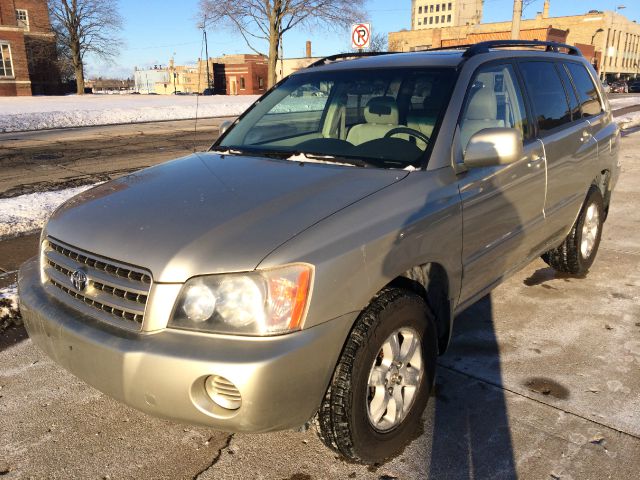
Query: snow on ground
x=36, y=113
x=629, y=120
x=624, y=101
x=9, y=306
x=28, y=213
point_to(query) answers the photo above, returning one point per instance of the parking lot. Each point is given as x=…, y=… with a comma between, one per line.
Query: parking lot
x=541, y=381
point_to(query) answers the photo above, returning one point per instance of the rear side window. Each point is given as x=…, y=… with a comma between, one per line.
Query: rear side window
x=574, y=104
x=587, y=91
x=547, y=94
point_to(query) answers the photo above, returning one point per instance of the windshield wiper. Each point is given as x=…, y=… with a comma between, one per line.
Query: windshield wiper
x=321, y=158
x=294, y=155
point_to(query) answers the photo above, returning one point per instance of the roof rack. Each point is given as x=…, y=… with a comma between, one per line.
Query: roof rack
x=484, y=47
x=345, y=56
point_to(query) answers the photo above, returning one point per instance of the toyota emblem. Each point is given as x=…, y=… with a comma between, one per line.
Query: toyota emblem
x=79, y=280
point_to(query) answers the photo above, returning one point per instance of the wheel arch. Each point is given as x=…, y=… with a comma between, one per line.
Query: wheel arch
x=431, y=282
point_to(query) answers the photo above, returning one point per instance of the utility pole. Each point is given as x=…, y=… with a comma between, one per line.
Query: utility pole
x=515, y=22
x=206, y=52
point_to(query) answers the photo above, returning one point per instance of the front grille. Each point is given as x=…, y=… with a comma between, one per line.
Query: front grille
x=115, y=292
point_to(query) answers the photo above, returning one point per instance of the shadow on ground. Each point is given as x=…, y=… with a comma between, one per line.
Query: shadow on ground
x=470, y=434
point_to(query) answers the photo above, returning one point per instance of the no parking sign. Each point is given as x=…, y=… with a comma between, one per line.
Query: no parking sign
x=360, y=35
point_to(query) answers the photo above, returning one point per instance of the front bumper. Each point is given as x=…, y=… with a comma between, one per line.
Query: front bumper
x=281, y=379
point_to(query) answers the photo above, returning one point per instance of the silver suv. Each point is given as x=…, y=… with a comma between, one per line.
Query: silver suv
x=310, y=265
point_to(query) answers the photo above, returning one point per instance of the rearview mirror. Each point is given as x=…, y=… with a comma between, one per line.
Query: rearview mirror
x=493, y=146
x=224, y=126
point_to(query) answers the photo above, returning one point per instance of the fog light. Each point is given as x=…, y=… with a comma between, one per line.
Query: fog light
x=222, y=392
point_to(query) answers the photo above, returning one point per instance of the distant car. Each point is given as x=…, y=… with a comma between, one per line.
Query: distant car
x=606, y=87
x=208, y=92
x=135, y=93
x=619, y=87
x=633, y=87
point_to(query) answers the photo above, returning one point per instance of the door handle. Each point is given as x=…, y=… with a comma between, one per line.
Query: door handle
x=535, y=161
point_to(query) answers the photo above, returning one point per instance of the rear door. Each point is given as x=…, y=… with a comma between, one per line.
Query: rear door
x=567, y=138
x=502, y=204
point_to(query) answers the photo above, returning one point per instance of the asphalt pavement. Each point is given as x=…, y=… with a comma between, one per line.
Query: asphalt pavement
x=540, y=382
x=52, y=159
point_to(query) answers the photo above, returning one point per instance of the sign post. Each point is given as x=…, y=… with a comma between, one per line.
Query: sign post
x=360, y=36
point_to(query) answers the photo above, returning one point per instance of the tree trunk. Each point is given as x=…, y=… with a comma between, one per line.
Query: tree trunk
x=274, y=42
x=78, y=67
x=274, y=45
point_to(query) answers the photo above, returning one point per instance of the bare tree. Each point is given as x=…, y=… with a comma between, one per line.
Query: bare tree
x=266, y=21
x=86, y=26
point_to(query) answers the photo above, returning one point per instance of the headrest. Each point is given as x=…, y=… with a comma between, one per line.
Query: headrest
x=483, y=105
x=382, y=111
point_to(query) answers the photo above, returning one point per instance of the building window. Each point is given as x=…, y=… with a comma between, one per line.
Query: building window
x=430, y=20
x=449, y=6
x=431, y=9
x=449, y=18
x=437, y=19
x=6, y=65
x=437, y=8
x=261, y=83
x=22, y=16
x=442, y=19
x=242, y=86
x=419, y=9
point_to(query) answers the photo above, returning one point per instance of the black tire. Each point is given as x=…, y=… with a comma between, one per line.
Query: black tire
x=343, y=420
x=569, y=257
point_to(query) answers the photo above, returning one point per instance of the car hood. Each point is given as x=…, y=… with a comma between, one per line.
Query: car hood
x=209, y=213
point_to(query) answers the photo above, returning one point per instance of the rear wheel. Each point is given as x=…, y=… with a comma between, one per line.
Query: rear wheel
x=383, y=379
x=578, y=251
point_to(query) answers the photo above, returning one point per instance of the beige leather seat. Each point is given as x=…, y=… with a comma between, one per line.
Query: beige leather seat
x=481, y=113
x=381, y=116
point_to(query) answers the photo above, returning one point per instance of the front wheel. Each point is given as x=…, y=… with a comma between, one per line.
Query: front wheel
x=383, y=379
x=578, y=251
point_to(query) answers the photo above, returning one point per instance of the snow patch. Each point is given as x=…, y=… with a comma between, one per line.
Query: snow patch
x=622, y=102
x=28, y=213
x=630, y=120
x=37, y=113
x=9, y=313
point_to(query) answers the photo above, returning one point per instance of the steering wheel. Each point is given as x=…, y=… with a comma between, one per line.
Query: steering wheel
x=408, y=131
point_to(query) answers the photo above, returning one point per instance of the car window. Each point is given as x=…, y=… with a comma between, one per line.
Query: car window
x=574, y=104
x=547, y=94
x=587, y=91
x=304, y=104
x=385, y=119
x=494, y=100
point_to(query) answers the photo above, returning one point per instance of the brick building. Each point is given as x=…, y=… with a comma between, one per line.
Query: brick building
x=599, y=35
x=237, y=74
x=27, y=49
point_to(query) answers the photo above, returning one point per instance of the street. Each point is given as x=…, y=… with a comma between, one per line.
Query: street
x=50, y=159
x=540, y=380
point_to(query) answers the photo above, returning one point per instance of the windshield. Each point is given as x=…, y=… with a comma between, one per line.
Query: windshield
x=382, y=118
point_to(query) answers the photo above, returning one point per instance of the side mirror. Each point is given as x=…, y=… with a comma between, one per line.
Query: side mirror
x=493, y=146
x=224, y=126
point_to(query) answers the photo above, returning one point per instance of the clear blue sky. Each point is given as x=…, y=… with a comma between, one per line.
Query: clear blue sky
x=153, y=33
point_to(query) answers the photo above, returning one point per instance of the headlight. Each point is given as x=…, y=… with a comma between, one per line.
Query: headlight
x=266, y=302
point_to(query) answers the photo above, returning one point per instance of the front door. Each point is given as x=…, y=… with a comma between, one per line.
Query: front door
x=502, y=206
